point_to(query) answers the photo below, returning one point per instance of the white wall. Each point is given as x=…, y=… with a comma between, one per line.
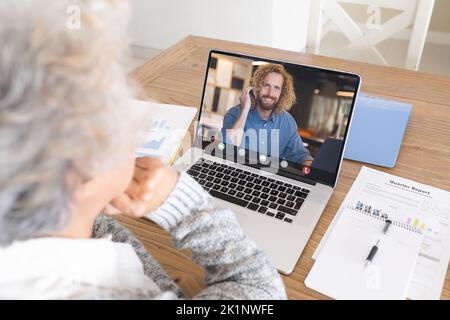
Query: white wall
x=277, y=23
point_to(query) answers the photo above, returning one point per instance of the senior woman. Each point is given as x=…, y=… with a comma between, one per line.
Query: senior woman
x=67, y=137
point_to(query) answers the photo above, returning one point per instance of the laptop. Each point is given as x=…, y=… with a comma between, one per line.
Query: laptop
x=275, y=160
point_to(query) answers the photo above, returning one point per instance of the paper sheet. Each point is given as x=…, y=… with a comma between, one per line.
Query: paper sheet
x=418, y=205
x=169, y=124
x=340, y=270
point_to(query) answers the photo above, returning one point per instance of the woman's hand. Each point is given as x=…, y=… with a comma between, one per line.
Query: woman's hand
x=152, y=183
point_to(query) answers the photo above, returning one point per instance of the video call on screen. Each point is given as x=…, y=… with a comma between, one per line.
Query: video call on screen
x=296, y=120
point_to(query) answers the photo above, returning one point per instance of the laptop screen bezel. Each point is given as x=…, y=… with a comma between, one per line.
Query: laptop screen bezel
x=300, y=178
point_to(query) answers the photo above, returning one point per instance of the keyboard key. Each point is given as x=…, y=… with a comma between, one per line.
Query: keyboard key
x=281, y=188
x=232, y=192
x=257, y=187
x=278, y=182
x=257, y=181
x=217, y=187
x=274, y=192
x=264, y=195
x=193, y=173
x=298, y=206
x=209, y=178
x=291, y=197
x=273, y=205
x=282, y=195
x=272, y=199
x=248, y=197
x=232, y=185
x=209, y=185
x=250, y=185
x=248, y=190
x=240, y=188
x=290, y=191
x=253, y=206
x=240, y=195
x=219, y=175
x=287, y=210
x=224, y=189
x=273, y=186
x=301, y=194
x=217, y=180
x=224, y=183
x=288, y=220
x=290, y=204
x=256, y=193
x=256, y=200
x=229, y=198
x=265, y=190
x=305, y=190
x=265, y=183
x=281, y=201
x=280, y=215
x=262, y=209
x=270, y=214
x=264, y=202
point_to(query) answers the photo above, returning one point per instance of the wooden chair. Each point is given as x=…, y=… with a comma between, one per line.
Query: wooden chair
x=415, y=13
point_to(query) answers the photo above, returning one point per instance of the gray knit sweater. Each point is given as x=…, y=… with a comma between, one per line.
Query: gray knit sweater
x=235, y=267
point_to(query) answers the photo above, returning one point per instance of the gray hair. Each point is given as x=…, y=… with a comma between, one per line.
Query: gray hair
x=63, y=105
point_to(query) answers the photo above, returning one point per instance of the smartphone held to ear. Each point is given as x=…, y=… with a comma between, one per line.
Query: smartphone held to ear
x=252, y=97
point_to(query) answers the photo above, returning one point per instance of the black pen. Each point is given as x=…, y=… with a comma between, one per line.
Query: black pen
x=374, y=249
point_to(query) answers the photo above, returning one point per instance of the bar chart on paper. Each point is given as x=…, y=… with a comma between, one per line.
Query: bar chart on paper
x=168, y=126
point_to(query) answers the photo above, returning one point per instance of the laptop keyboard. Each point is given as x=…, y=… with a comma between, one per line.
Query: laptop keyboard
x=263, y=195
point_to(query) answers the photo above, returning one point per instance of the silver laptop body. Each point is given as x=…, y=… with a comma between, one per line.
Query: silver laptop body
x=282, y=239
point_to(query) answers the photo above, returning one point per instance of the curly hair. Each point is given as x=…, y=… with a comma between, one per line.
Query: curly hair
x=287, y=97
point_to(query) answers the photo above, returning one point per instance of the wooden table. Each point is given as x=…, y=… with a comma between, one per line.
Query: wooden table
x=176, y=76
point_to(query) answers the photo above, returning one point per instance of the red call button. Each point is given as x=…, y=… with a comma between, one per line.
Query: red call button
x=306, y=170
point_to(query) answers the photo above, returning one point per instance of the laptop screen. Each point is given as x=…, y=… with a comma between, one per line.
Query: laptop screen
x=284, y=118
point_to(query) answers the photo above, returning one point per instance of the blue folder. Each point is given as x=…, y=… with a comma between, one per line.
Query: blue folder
x=377, y=130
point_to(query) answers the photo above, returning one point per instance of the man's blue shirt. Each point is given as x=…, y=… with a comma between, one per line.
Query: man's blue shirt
x=290, y=145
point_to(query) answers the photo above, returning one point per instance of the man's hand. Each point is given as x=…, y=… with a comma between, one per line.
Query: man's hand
x=245, y=99
x=307, y=163
x=151, y=185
